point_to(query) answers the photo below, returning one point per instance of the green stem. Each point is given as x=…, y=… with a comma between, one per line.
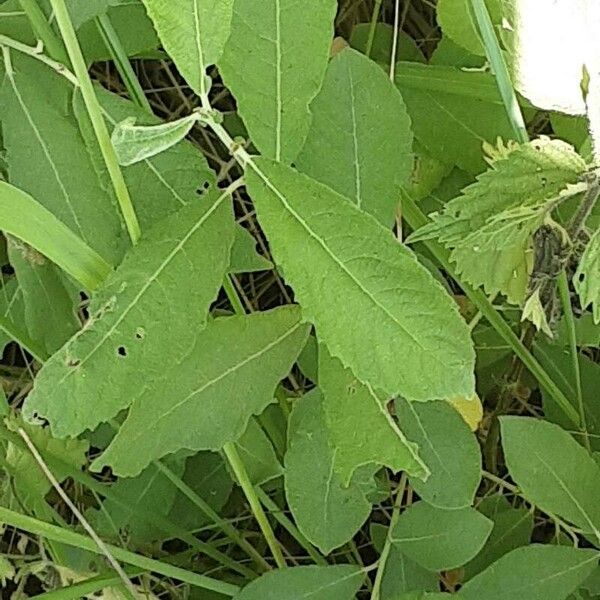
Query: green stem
x=376, y=593
x=242, y=476
x=71, y=538
x=565, y=297
x=496, y=58
x=115, y=47
x=233, y=296
x=44, y=31
x=278, y=514
x=415, y=218
x=372, y=26
x=95, y=114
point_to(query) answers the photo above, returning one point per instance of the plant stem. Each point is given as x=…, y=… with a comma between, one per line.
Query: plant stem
x=415, y=218
x=121, y=60
x=71, y=538
x=242, y=476
x=43, y=30
x=587, y=205
x=372, y=26
x=565, y=297
x=496, y=58
x=375, y=594
x=95, y=114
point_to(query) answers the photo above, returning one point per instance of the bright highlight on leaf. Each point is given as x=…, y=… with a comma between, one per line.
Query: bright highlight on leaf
x=470, y=409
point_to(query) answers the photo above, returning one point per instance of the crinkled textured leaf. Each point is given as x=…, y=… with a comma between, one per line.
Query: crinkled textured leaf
x=361, y=429
x=159, y=185
x=325, y=511
x=360, y=141
x=534, y=572
x=258, y=455
x=440, y=539
x=553, y=471
x=193, y=32
x=457, y=21
x=373, y=305
x=244, y=257
x=512, y=529
x=171, y=276
x=40, y=129
x=453, y=112
x=489, y=227
x=274, y=63
x=447, y=447
x=335, y=582
x=50, y=299
x=229, y=374
x=134, y=143
x=150, y=491
x=587, y=277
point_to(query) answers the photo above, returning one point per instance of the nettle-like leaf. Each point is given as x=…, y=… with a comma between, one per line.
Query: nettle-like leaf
x=229, y=374
x=587, y=277
x=373, y=304
x=274, y=63
x=440, y=539
x=171, y=276
x=360, y=141
x=335, y=582
x=553, y=471
x=489, y=228
x=534, y=572
x=194, y=33
x=361, y=429
x=447, y=447
x=325, y=511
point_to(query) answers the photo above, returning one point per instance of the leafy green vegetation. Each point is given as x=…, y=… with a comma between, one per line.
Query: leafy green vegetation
x=299, y=300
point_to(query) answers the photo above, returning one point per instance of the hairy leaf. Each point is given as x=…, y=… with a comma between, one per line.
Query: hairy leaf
x=362, y=431
x=377, y=309
x=489, y=227
x=360, y=141
x=124, y=347
x=194, y=33
x=212, y=393
x=274, y=63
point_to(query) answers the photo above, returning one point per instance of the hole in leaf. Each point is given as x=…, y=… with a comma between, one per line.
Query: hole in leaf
x=122, y=351
x=581, y=277
x=140, y=333
x=73, y=362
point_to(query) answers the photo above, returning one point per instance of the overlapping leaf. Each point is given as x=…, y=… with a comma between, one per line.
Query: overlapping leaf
x=227, y=375
x=376, y=308
x=489, y=228
x=274, y=63
x=123, y=348
x=587, y=277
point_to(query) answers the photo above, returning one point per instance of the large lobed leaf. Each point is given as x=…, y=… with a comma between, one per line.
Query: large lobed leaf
x=171, y=276
x=376, y=308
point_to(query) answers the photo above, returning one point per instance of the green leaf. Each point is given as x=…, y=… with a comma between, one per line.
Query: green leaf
x=553, y=471
x=258, y=455
x=534, y=572
x=587, y=277
x=489, y=227
x=377, y=309
x=453, y=112
x=209, y=406
x=361, y=429
x=383, y=42
x=457, y=21
x=244, y=257
x=440, y=539
x=359, y=142
x=335, y=582
x=134, y=143
x=448, y=448
x=175, y=270
x=159, y=185
x=39, y=129
x=81, y=12
x=274, y=63
x=327, y=513
x=50, y=300
x=512, y=529
x=194, y=33
x=28, y=220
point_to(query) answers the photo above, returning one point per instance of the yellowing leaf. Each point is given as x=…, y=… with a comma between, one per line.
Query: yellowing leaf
x=470, y=409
